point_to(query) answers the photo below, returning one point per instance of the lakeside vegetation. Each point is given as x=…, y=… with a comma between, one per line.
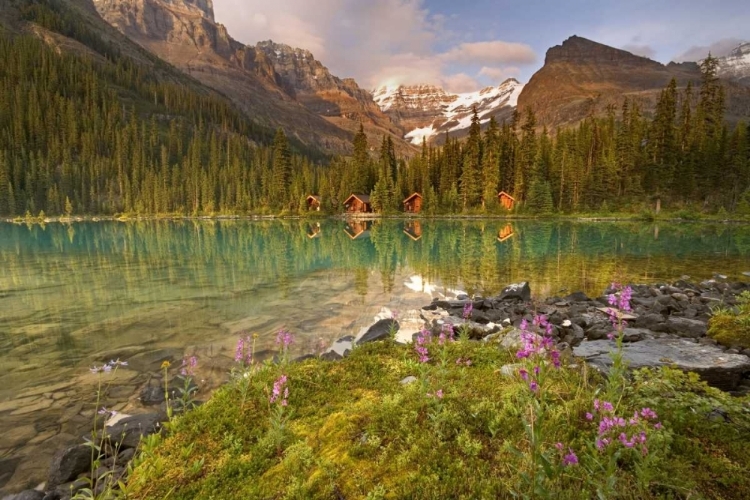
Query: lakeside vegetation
x=352, y=429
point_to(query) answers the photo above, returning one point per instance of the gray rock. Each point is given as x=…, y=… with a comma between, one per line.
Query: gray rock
x=408, y=380
x=719, y=369
x=512, y=340
x=517, y=291
x=510, y=371
x=577, y=297
x=331, y=356
x=66, y=464
x=379, y=331
x=26, y=495
x=685, y=327
x=680, y=297
x=654, y=322
x=635, y=334
x=127, y=433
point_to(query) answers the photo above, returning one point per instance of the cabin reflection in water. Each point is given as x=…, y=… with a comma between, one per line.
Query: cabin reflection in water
x=505, y=233
x=413, y=229
x=357, y=229
x=313, y=230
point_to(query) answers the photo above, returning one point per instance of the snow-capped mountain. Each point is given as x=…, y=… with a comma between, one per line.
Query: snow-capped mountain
x=736, y=65
x=428, y=112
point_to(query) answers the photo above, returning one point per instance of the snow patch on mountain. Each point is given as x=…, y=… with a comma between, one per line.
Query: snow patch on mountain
x=449, y=112
x=736, y=64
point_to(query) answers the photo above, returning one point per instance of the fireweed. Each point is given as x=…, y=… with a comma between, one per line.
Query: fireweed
x=620, y=302
x=284, y=339
x=278, y=402
x=618, y=439
x=538, y=356
x=186, y=399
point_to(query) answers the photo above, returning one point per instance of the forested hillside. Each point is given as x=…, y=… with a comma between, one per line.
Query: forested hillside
x=99, y=133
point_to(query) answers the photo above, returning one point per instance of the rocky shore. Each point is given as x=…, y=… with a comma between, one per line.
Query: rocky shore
x=667, y=327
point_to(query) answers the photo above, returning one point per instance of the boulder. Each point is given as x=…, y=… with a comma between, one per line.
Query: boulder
x=577, y=297
x=379, y=331
x=512, y=340
x=719, y=369
x=517, y=291
x=685, y=327
x=127, y=433
x=67, y=464
x=654, y=322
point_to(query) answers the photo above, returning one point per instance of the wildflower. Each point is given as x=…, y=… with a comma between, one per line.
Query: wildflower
x=284, y=338
x=239, y=353
x=559, y=446
x=446, y=334
x=96, y=369
x=278, y=386
x=106, y=368
x=533, y=386
x=570, y=458
x=589, y=416
x=188, y=366
x=394, y=314
x=468, y=308
x=105, y=411
x=424, y=338
x=117, y=362
x=439, y=394
x=165, y=364
x=648, y=414
x=524, y=374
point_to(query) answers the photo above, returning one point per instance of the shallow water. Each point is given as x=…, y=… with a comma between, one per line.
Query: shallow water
x=74, y=295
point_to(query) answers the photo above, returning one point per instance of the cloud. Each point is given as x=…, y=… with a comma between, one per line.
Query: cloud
x=640, y=50
x=699, y=52
x=498, y=75
x=492, y=52
x=376, y=42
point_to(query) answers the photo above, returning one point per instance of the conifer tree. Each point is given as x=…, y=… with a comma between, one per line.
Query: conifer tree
x=471, y=190
x=281, y=170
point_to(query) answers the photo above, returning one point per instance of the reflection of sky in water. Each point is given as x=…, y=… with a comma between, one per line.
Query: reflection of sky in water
x=70, y=291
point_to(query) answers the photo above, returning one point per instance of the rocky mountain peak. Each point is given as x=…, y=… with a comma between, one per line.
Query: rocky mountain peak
x=577, y=49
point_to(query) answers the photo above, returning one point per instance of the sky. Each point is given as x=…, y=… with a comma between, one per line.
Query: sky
x=465, y=45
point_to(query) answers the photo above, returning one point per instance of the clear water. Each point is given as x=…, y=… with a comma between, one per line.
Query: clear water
x=74, y=295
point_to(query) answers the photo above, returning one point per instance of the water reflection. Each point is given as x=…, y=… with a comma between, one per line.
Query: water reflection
x=72, y=294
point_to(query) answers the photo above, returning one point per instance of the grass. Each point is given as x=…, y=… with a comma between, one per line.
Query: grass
x=352, y=430
x=731, y=327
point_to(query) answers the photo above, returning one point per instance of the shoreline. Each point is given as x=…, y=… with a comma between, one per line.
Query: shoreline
x=356, y=216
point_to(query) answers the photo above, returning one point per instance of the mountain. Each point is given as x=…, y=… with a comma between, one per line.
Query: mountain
x=735, y=66
x=274, y=84
x=429, y=112
x=582, y=77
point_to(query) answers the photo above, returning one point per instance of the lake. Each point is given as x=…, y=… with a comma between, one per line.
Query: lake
x=79, y=294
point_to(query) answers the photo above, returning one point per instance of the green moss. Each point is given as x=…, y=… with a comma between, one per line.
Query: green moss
x=731, y=327
x=353, y=431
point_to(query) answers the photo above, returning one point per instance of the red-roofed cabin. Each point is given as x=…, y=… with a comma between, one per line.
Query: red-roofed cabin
x=358, y=203
x=506, y=200
x=313, y=202
x=413, y=204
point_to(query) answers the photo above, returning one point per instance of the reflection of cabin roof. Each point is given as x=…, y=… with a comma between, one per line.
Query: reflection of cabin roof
x=363, y=233
x=503, y=193
x=314, y=197
x=364, y=198
x=415, y=195
x=412, y=236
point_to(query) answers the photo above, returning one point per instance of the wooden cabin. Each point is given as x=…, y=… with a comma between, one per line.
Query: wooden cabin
x=506, y=200
x=413, y=204
x=313, y=202
x=413, y=229
x=357, y=229
x=358, y=203
x=505, y=233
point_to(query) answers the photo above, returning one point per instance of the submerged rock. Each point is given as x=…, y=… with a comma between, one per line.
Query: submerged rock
x=379, y=331
x=719, y=369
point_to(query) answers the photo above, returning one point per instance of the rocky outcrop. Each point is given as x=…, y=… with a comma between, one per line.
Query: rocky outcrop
x=273, y=90
x=582, y=77
x=735, y=66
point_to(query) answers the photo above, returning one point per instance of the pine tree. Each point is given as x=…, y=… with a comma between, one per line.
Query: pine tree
x=471, y=189
x=490, y=166
x=281, y=170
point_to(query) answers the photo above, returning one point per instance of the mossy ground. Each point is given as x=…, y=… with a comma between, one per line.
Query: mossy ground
x=732, y=327
x=354, y=431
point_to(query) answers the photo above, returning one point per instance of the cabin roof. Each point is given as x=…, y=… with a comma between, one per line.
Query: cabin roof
x=364, y=198
x=314, y=197
x=501, y=193
x=414, y=195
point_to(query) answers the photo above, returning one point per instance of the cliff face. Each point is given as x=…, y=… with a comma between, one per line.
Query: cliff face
x=735, y=66
x=582, y=77
x=275, y=90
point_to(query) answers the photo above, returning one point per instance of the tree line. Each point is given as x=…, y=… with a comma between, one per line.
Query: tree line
x=83, y=134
